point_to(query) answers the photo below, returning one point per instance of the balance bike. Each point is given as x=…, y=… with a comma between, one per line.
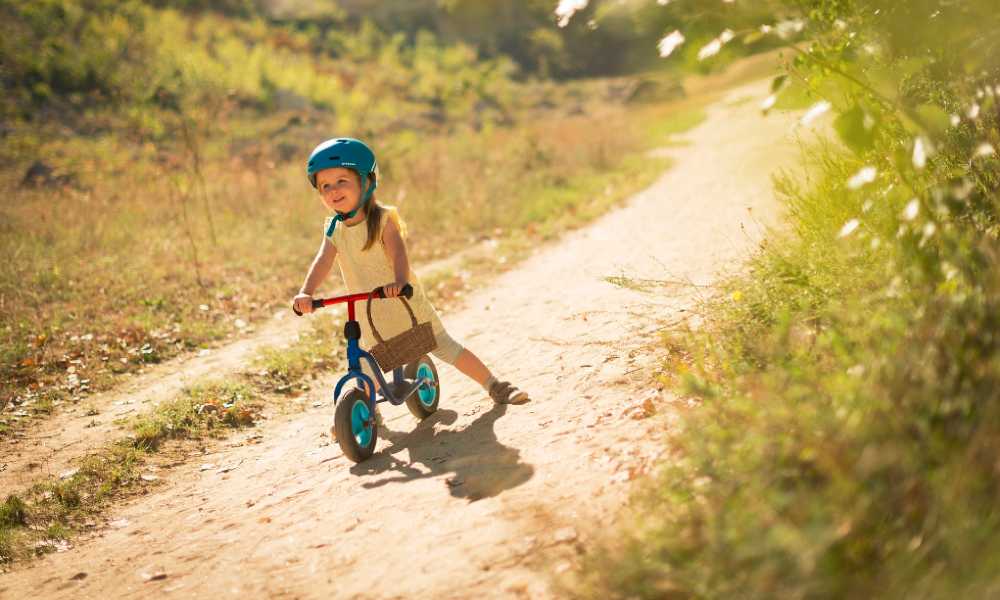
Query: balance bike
x=416, y=384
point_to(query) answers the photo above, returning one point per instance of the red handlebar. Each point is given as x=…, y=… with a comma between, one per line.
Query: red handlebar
x=406, y=292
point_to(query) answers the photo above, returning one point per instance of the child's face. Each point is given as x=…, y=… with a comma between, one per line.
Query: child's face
x=339, y=188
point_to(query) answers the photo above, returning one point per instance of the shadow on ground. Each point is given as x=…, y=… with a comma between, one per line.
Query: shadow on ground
x=482, y=467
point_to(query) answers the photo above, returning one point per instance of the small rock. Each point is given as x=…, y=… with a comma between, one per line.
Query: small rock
x=119, y=523
x=68, y=474
x=148, y=477
x=454, y=481
x=154, y=576
x=566, y=534
x=79, y=576
x=208, y=466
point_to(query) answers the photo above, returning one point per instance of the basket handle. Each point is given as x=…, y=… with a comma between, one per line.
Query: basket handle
x=378, y=293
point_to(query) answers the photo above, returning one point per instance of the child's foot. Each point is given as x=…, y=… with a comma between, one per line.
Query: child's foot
x=503, y=392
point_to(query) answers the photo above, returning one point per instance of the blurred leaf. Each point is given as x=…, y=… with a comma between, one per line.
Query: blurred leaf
x=934, y=117
x=778, y=82
x=850, y=126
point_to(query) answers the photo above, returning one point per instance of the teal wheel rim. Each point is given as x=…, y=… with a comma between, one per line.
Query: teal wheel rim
x=360, y=423
x=427, y=394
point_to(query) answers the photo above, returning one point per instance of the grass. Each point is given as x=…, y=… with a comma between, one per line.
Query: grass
x=844, y=440
x=103, y=320
x=320, y=349
x=60, y=507
x=57, y=509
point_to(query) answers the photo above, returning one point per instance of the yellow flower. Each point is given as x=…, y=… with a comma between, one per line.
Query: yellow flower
x=737, y=296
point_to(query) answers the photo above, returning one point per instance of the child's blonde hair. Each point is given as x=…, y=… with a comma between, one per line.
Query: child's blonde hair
x=373, y=220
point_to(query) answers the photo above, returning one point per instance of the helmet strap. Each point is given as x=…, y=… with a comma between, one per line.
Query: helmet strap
x=350, y=215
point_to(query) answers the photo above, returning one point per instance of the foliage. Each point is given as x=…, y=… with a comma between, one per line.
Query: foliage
x=847, y=439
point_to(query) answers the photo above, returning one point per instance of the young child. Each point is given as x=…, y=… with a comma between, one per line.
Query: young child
x=366, y=241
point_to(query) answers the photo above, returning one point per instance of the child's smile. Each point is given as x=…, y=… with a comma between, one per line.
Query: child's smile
x=339, y=189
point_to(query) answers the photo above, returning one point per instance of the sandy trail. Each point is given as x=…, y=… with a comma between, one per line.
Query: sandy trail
x=478, y=500
x=50, y=446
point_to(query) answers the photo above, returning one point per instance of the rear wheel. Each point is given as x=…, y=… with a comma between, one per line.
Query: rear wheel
x=355, y=425
x=424, y=401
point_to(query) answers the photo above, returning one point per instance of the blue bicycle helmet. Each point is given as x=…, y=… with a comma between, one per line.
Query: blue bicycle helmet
x=351, y=154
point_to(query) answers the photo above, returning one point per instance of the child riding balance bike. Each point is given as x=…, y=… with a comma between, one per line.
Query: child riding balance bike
x=369, y=248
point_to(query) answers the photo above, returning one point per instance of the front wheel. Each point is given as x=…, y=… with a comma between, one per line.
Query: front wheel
x=355, y=425
x=424, y=401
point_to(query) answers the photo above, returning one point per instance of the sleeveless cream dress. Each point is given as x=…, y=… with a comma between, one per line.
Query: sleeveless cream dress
x=365, y=270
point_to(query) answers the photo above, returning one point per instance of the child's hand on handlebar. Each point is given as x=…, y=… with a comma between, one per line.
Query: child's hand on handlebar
x=302, y=303
x=393, y=289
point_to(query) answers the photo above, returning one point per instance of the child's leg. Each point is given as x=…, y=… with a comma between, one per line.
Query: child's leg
x=469, y=364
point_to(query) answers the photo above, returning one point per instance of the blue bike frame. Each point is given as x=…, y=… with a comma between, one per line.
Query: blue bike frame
x=354, y=356
x=352, y=331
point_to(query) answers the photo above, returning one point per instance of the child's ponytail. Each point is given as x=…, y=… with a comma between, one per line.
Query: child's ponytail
x=374, y=213
x=373, y=221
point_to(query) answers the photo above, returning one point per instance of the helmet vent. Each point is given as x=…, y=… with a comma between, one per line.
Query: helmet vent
x=334, y=158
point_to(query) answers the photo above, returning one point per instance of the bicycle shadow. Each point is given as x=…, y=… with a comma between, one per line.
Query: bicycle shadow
x=482, y=466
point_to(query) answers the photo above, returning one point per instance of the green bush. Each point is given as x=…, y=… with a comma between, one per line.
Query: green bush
x=847, y=440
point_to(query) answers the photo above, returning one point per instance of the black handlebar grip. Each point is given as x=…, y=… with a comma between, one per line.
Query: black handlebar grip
x=317, y=303
x=406, y=291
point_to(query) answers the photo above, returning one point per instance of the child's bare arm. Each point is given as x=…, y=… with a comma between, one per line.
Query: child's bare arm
x=396, y=251
x=318, y=271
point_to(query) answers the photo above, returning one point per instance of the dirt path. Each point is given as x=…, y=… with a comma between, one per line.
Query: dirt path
x=50, y=446
x=478, y=500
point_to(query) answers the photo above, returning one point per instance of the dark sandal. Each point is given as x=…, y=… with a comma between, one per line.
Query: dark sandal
x=503, y=392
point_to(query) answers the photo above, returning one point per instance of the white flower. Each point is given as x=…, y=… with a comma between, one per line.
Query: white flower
x=912, y=210
x=663, y=2
x=955, y=120
x=710, y=49
x=862, y=177
x=984, y=149
x=567, y=8
x=919, y=154
x=813, y=113
x=669, y=43
x=787, y=29
x=768, y=102
x=848, y=228
x=973, y=113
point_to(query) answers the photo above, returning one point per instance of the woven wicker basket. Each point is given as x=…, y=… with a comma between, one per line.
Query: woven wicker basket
x=405, y=347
